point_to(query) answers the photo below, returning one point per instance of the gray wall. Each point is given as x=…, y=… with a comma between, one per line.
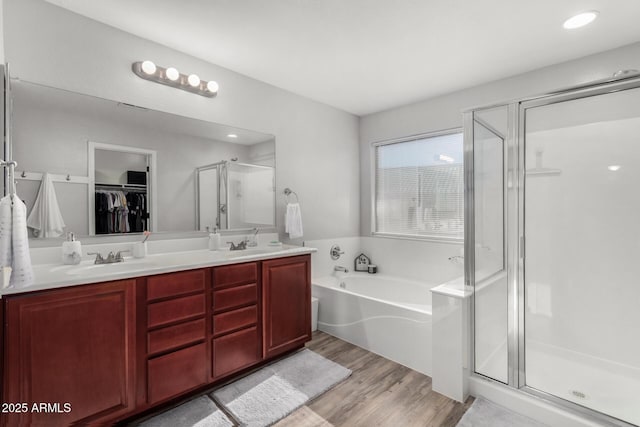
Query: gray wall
x=317, y=145
x=444, y=112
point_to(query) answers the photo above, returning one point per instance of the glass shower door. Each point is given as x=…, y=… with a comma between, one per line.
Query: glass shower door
x=490, y=302
x=582, y=251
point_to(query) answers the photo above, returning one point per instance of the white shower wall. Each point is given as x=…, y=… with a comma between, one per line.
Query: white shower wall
x=587, y=302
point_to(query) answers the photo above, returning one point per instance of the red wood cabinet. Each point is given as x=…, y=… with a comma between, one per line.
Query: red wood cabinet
x=237, y=331
x=71, y=346
x=286, y=304
x=177, y=348
x=103, y=352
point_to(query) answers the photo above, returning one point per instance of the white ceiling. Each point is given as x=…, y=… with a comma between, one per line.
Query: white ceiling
x=364, y=56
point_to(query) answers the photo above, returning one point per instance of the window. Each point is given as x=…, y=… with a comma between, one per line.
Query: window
x=419, y=187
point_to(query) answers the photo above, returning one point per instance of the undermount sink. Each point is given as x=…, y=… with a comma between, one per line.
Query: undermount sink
x=110, y=268
x=250, y=252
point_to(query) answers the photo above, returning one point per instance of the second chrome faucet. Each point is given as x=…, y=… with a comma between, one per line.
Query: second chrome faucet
x=110, y=259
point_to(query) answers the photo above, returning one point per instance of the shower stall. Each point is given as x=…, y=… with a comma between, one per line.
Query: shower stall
x=235, y=196
x=552, y=247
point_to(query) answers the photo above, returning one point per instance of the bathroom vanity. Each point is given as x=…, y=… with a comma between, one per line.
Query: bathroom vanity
x=102, y=352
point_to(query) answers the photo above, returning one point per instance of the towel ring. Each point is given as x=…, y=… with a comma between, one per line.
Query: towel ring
x=288, y=192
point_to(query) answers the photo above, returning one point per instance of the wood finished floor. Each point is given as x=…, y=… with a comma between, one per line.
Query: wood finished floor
x=378, y=393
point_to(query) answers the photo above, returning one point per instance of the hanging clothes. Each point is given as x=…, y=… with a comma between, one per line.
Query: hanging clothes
x=120, y=211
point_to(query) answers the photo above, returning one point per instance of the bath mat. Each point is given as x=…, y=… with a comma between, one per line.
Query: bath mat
x=277, y=390
x=486, y=414
x=199, y=412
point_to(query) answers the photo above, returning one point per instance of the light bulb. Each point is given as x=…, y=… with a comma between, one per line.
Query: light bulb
x=580, y=20
x=172, y=74
x=212, y=86
x=614, y=168
x=148, y=67
x=232, y=135
x=193, y=80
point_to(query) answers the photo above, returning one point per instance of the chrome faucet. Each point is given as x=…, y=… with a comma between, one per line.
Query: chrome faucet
x=239, y=247
x=110, y=259
x=119, y=257
x=99, y=259
x=340, y=268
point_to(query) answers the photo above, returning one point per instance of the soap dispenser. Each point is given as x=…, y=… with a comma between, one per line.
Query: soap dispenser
x=71, y=250
x=214, y=240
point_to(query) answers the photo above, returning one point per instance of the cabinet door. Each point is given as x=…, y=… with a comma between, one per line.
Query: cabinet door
x=73, y=349
x=286, y=299
x=177, y=372
x=235, y=351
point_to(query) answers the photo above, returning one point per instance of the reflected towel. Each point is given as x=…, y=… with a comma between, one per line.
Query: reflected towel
x=45, y=218
x=293, y=221
x=14, y=241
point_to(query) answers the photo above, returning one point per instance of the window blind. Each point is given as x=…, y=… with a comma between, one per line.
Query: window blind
x=419, y=187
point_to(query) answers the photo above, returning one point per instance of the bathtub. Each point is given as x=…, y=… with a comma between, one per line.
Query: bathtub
x=386, y=315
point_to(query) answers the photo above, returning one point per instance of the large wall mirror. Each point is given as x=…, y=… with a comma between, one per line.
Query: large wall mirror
x=121, y=169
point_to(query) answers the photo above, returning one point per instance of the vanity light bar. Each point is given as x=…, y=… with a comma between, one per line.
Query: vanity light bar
x=171, y=77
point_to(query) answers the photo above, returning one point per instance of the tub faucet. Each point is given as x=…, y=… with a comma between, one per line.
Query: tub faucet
x=340, y=268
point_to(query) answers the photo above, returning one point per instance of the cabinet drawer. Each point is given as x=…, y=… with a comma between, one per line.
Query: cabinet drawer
x=237, y=274
x=235, y=297
x=236, y=319
x=162, y=313
x=175, y=336
x=177, y=372
x=235, y=351
x=174, y=284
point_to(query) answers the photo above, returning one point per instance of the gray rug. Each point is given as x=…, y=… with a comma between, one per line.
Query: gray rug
x=275, y=391
x=199, y=412
x=486, y=414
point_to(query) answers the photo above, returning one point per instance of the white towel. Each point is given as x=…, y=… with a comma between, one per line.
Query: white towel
x=14, y=241
x=45, y=218
x=293, y=221
x=5, y=232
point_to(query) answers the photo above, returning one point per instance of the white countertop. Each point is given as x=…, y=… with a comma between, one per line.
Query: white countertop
x=51, y=276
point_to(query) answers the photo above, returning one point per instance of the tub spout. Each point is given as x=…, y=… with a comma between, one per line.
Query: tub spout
x=340, y=268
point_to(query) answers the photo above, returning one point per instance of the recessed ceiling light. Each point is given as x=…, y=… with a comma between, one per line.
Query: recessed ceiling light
x=232, y=135
x=580, y=20
x=614, y=168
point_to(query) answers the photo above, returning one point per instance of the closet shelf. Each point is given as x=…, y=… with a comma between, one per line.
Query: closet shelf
x=136, y=186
